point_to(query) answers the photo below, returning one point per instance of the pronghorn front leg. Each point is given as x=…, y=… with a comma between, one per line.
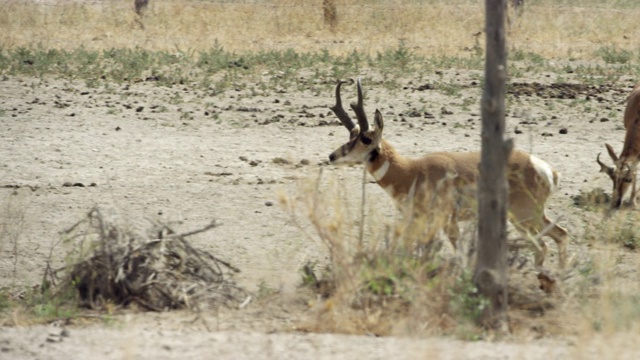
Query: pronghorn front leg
x=633, y=189
x=453, y=230
x=540, y=252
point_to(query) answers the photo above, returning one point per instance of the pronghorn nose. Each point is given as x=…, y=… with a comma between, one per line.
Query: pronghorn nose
x=332, y=157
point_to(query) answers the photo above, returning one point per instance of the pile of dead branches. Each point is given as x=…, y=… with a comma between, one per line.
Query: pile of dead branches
x=110, y=264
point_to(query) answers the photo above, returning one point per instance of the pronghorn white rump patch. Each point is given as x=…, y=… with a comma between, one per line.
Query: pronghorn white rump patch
x=381, y=172
x=544, y=170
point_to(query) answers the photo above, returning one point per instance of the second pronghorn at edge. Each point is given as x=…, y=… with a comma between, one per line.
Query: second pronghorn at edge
x=446, y=182
x=623, y=174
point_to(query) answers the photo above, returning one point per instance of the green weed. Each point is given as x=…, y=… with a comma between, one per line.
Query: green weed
x=627, y=233
x=613, y=55
x=466, y=301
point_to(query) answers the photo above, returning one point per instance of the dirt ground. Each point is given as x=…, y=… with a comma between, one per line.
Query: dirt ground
x=185, y=157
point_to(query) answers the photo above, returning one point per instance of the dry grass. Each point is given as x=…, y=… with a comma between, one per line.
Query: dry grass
x=381, y=285
x=568, y=29
x=386, y=276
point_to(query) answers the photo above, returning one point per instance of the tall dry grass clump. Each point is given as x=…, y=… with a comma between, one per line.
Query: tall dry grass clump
x=383, y=279
x=606, y=290
x=568, y=29
x=386, y=274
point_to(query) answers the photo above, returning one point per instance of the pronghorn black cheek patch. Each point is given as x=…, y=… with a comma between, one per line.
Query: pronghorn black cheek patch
x=374, y=155
x=365, y=140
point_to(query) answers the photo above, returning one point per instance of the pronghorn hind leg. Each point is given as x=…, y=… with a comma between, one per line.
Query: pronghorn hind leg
x=540, y=252
x=559, y=235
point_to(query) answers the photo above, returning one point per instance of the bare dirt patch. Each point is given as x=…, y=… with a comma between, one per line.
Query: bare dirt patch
x=184, y=156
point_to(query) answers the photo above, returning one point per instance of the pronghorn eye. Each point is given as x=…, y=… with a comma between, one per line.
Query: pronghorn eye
x=365, y=140
x=627, y=180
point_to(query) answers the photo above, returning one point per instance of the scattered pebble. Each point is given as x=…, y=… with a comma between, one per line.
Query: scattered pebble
x=445, y=111
x=280, y=161
x=77, y=184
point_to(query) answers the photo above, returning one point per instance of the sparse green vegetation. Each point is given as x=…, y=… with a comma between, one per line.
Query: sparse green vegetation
x=625, y=230
x=612, y=55
x=37, y=305
x=450, y=89
x=466, y=302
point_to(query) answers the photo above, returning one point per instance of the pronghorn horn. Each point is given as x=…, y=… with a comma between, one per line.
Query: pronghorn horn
x=604, y=168
x=359, y=110
x=337, y=109
x=612, y=153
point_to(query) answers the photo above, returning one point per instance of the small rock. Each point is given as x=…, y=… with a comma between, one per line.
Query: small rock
x=268, y=203
x=564, y=131
x=304, y=162
x=445, y=111
x=280, y=161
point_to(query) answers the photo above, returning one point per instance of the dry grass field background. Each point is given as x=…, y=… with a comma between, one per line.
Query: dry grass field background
x=555, y=29
x=201, y=109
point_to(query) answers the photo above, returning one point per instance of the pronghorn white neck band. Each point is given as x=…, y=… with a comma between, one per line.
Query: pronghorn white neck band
x=381, y=172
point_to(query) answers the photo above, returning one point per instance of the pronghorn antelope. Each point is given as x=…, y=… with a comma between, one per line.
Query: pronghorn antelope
x=446, y=181
x=624, y=173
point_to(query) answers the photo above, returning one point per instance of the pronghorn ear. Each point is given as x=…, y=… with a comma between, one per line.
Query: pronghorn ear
x=378, y=120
